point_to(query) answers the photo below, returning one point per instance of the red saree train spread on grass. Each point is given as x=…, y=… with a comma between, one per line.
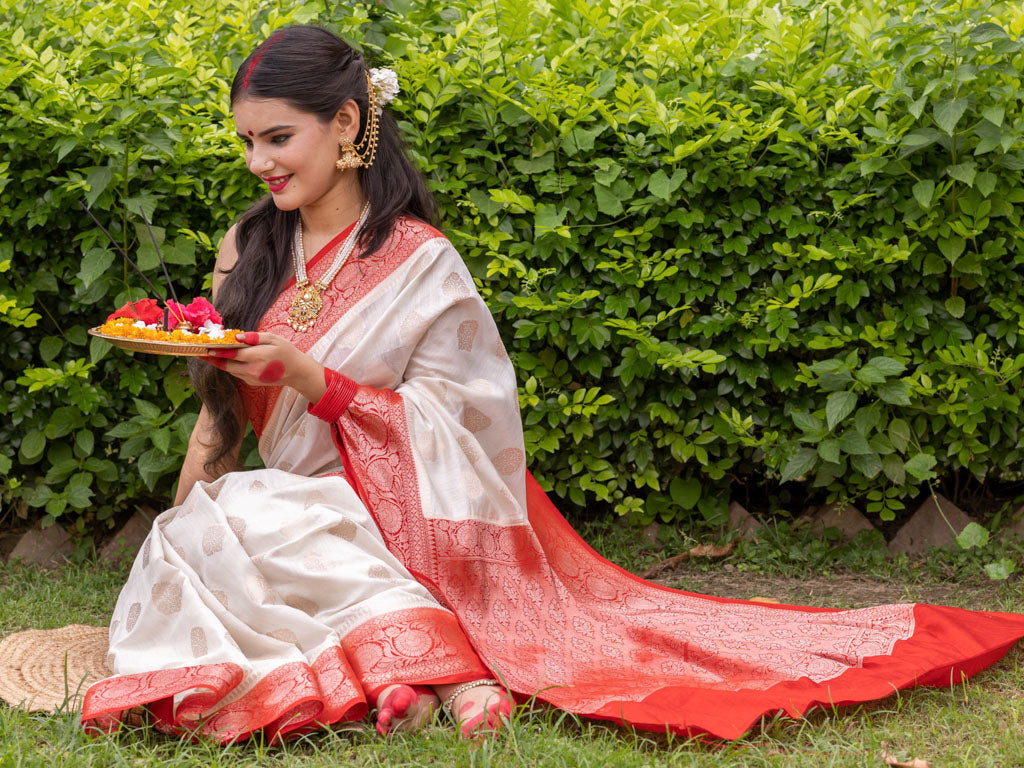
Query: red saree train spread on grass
x=432, y=445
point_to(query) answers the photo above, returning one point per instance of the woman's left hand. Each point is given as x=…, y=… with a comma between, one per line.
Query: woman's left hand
x=271, y=360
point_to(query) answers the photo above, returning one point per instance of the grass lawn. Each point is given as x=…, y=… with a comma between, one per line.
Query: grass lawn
x=978, y=723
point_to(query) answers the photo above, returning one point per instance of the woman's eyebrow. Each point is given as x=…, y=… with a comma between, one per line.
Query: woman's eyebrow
x=268, y=131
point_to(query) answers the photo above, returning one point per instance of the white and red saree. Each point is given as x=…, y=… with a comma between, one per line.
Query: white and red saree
x=405, y=542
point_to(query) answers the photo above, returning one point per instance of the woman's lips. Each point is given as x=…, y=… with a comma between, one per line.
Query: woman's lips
x=278, y=183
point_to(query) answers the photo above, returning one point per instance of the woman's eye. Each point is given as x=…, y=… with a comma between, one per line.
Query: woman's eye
x=280, y=138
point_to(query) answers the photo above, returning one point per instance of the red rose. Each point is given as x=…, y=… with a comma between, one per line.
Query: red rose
x=200, y=310
x=126, y=311
x=146, y=310
x=149, y=311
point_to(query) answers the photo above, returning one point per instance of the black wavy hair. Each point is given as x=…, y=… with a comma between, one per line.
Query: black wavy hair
x=314, y=71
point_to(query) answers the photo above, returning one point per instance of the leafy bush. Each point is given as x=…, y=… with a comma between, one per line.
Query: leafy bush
x=727, y=244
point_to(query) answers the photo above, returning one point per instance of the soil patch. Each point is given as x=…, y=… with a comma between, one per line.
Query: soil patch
x=842, y=590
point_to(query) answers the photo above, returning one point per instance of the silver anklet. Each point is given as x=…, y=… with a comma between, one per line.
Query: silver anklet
x=447, y=705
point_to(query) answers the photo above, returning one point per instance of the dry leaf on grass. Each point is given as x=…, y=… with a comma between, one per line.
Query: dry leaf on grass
x=769, y=600
x=894, y=762
x=701, y=550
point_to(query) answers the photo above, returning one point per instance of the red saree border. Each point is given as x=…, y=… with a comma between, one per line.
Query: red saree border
x=289, y=697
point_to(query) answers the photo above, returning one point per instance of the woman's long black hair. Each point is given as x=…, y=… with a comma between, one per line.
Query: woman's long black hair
x=314, y=71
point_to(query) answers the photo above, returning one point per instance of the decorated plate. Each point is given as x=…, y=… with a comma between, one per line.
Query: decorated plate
x=153, y=347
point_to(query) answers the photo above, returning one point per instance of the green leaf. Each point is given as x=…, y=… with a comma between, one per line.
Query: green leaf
x=62, y=421
x=973, y=535
x=948, y=113
x=894, y=392
x=799, y=464
x=920, y=466
x=5, y=464
x=892, y=466
x=50, y=347
x=807, y=422
x=899, y=434
x=98, y=179
x=923, y=192
x=964, y=172
x=887, y=365
x=868, y=464
x=829, y=450
x=85, y=441
x=79, y=496
x=994, y=114
x=952, y=248
x=608, y=202
x=956, y=306
x=32, y=445
x=177, y=386
x=838, y=406
x=986, y=183
x=1001, y=569
x=870, y=374
x=854, y=443
x=685, y=492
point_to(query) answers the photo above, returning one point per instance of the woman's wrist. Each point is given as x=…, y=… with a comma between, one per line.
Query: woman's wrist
x=307, y=378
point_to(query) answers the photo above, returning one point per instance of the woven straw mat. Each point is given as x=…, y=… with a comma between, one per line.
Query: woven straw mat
x=47, y=669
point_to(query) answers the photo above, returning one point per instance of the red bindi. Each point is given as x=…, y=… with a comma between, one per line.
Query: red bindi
x=273, y=372
x=250, y=133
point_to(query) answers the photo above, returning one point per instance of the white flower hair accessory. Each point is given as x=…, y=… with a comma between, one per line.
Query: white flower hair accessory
x=385, y=85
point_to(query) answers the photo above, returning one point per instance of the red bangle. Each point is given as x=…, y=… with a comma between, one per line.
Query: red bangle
x=339, y=393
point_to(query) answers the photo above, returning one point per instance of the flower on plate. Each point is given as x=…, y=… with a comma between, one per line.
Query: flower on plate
x=146, y=310
x=200, y=311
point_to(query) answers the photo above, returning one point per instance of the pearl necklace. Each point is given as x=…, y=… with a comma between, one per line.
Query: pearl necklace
x=308, y=302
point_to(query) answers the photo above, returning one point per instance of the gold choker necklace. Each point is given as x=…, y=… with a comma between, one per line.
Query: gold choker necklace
x=308, y=302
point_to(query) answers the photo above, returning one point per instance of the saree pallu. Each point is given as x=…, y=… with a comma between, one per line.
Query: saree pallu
x=432, y=447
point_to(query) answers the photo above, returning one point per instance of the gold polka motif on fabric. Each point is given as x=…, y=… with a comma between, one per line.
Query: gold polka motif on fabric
x=411, y=328
x=316, y=562
x=468, y=446
x=197, y=637
x=313, y=498
x=475, y=420
x=257, y=487
x=213, y=489
x=213, y=540
x=303, y=604
x=167, y=597
x=346, y=530
x=509, y=460
x=378, y=572
x=466, y=334
x=179, y=551
x=221, y=595
x=454, y=287
x=237, y=526
x=134, y=611
x=146, y=549
x=285, y=466
x=285, y=636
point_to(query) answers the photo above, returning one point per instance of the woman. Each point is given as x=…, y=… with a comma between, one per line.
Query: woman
x=395, y=552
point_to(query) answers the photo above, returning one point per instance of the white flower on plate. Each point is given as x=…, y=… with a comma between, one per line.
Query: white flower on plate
x=212, y=329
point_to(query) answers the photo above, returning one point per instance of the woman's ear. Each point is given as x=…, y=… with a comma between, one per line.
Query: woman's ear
x=347, y=120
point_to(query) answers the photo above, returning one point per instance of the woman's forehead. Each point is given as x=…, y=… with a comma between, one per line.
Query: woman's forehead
x=258, y=115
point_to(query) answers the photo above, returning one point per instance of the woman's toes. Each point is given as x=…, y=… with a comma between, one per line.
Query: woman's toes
x=404, y=708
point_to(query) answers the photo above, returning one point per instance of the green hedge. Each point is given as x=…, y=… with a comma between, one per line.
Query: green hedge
x=729, y=245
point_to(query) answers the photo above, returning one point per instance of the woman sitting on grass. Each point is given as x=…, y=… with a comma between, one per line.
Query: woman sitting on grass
x=395, y=554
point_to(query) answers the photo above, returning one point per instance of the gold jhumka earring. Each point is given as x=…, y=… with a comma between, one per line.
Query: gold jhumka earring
x=361, y=155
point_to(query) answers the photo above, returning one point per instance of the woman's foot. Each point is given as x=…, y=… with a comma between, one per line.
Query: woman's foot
x=405, y=708
x=480, y=711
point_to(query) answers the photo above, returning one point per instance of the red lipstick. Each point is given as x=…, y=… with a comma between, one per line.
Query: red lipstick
x=278, y=183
